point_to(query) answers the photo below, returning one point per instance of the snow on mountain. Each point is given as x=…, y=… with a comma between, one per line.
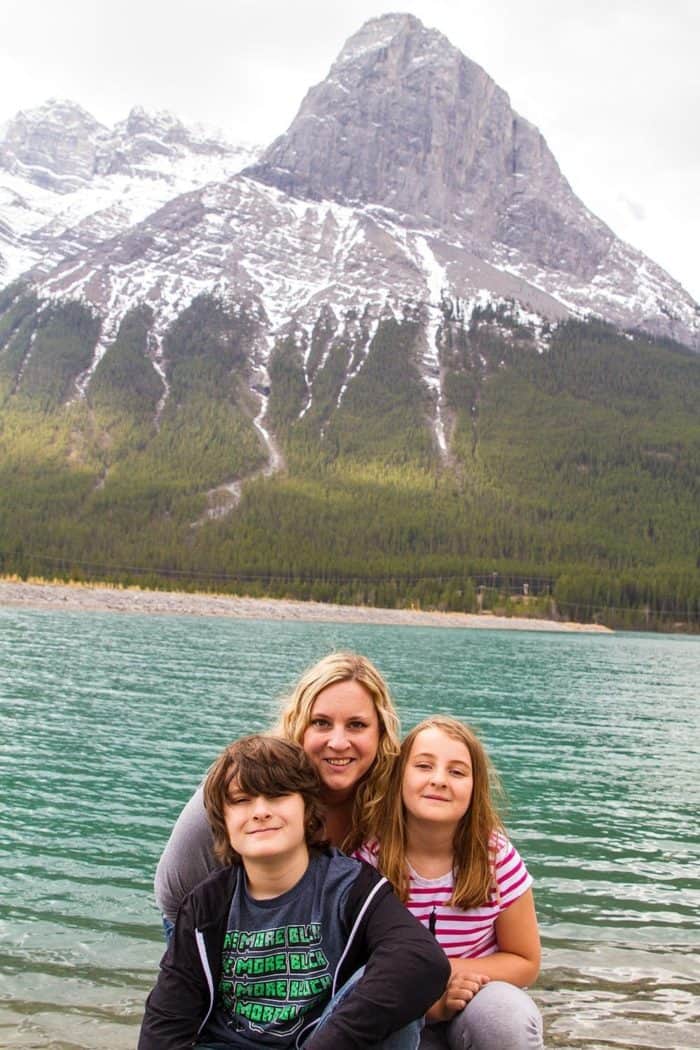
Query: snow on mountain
x=406, y=182
x=67, y=182
x=407, y=122
x=290, y=261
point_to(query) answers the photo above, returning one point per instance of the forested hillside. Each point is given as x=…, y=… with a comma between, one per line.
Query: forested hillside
x=573, y=463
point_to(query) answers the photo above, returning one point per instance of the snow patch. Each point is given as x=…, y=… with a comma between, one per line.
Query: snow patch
x=361, y=358
x=438, y=284
x=25, y=362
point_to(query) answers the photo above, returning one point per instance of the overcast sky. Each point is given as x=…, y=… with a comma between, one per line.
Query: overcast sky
x=614, y=85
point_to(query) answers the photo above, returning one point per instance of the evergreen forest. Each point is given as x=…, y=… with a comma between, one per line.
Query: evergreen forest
x=570, y=487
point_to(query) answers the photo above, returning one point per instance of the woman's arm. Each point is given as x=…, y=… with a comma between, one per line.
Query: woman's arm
x=518, y=957
x=187, y=858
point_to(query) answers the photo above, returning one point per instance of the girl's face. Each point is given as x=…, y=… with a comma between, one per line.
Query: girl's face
x=343, y=736
x=437, y=781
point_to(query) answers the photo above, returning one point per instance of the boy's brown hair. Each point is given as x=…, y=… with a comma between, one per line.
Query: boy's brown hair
x=262, y=765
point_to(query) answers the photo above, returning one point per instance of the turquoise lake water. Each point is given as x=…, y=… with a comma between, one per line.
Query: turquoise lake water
x=108, y=721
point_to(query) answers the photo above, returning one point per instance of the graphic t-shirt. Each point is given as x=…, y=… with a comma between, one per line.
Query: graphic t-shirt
x=279, y=958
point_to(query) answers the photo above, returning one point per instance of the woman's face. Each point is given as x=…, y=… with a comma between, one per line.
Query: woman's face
x=343, y=736
x=437, y=781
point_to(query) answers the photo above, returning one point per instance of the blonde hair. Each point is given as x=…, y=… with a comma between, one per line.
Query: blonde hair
x=473, y=852
x=296, y=718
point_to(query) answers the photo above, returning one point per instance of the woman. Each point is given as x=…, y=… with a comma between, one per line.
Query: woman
x=441, y=844
x=342, y=715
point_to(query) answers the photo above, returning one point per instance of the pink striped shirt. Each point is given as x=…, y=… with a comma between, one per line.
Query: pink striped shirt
x=469, y=933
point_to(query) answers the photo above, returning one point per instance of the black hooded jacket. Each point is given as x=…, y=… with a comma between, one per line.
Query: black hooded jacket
x=405, y=969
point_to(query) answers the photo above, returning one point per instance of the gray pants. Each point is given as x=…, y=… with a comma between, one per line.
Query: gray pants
x=499, y=1017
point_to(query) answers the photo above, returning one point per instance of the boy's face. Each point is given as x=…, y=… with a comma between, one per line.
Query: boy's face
x=262, y=828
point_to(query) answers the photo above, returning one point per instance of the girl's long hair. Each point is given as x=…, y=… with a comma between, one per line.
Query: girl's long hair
x=296, y=718
x=473, y=849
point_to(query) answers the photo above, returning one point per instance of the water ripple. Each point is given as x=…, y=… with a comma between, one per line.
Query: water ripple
x=108, y=722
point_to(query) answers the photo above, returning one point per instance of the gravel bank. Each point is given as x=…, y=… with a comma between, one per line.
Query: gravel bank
x=90, y=598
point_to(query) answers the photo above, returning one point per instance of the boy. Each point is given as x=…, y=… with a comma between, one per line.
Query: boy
x=261, y=948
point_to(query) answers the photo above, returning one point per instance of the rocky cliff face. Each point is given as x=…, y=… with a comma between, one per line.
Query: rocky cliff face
x=407, y=122
x=54, y=147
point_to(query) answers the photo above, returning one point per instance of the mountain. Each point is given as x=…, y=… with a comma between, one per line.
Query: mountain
x=426, y=359
x=68, y=182
x=406, y=122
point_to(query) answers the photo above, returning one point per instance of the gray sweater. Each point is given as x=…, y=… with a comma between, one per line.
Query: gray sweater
x=187, y=859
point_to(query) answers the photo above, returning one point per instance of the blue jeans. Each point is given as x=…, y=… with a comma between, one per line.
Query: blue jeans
x=406, y=1038
x=168, y=928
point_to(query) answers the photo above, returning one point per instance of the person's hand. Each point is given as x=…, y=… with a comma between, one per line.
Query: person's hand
x=461, y=989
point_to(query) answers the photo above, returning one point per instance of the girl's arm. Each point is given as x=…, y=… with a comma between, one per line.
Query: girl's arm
x=518, y=957
x=517, y=960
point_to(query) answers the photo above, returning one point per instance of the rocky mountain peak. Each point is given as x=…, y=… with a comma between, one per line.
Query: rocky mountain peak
x=379, y=33
x=54, y=145
x=406, y=121
x=140, y=119
x=144, y=136
x=395, y=123
x=70, y=115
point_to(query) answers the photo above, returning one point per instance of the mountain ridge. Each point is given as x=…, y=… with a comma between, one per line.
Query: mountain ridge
x=61, y=192
x=497, y=172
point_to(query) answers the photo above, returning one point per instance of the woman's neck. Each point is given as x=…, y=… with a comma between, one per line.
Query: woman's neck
x=338, y=821
x=429, y=847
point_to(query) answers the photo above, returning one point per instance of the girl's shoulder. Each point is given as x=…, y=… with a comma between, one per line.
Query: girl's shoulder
x=499, y=844
x=368, y=852
x=501, y=847
x=509, y=871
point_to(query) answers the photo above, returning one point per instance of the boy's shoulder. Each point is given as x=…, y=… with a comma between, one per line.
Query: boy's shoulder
x=335, y=864
x=210, y=899
x=331, y=872
x=347, y=876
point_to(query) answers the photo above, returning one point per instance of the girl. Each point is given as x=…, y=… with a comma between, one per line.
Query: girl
x=440, y=842
x=342, y=715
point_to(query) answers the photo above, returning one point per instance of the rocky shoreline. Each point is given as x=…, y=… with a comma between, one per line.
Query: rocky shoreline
x=98, y=598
